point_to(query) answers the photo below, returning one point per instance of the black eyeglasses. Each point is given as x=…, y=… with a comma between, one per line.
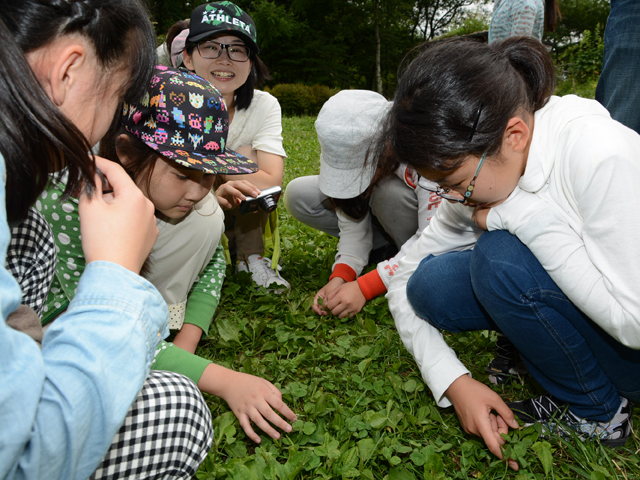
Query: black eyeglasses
x=444, y=192
x=212, y=50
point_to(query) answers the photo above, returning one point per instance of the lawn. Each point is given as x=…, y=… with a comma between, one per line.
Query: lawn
x=363, y=409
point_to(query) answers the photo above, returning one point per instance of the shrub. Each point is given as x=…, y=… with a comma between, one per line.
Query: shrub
x=298, y=99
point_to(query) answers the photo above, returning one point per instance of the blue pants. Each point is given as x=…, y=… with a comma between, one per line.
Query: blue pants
x=501, y=286
x=618, y=87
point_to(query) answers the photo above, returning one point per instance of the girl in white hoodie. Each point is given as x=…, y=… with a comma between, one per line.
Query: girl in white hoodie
x=555, y=183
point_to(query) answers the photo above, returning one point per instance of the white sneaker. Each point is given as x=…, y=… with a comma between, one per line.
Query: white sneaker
x=263, y=275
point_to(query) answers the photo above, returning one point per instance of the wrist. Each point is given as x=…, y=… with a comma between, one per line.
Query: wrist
x=343, y=271
x=218, y=379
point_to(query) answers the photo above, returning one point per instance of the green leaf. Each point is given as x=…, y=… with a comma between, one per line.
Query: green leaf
x=240, y=472
x=309, y=428
x=362, y=366
x=350, y=458
x=228, y=329
x=297, y=389
x=370, y=326
x=543, y=451
x=366, y=447
x=363, y=351
x=320, y=451
x=410, y=385
x=401, y=473
x=349, y=472
x=418, y=457
x=236, y=449
x=378, y=420
x=395, y=460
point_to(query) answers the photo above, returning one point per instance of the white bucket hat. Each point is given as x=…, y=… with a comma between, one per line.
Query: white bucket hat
x=346, y=126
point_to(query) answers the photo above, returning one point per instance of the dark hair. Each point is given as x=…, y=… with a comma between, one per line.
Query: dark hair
x=35, y=137
x=175, y=30
x=141, y=159
x=455, y=84
x=551, y=14
x=258, y=75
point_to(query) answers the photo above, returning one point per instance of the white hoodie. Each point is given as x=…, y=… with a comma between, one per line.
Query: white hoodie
x=577, y=208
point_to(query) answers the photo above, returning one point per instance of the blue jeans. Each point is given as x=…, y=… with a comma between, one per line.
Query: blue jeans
x=501, y=286
x=618, y=88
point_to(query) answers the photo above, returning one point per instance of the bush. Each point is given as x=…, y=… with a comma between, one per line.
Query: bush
x=297, y=99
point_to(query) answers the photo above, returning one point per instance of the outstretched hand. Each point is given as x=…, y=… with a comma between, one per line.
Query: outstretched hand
x=346, y=300
x=482, y=412
x=251, y=398
x=231, y=193
x=118, y=227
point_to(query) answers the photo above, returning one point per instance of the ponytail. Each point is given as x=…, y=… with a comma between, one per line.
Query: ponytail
x=456, y=98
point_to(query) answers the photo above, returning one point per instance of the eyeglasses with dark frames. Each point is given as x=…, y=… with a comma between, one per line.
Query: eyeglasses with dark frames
x=212, y=50
x=444, y=192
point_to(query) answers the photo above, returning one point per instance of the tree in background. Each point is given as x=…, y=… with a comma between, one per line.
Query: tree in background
x=332, y=42
x=361, y=43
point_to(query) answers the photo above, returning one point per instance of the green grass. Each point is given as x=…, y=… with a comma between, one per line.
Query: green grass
x=363, y=409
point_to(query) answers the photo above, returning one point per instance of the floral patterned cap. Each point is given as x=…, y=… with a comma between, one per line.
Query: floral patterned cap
x=184, y=118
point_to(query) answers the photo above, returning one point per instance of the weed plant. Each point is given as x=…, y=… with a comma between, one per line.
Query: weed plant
x=363, y=409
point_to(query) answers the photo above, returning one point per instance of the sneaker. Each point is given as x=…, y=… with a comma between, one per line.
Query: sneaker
x=506, y=366
x=555, y=417
x=263, y=275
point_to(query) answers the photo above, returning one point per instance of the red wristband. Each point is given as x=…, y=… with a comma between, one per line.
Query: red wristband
x=371, y=285
x=343, y=271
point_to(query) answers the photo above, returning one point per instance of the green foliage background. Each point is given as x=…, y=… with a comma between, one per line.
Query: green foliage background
x=332, y=42
x=363, y=409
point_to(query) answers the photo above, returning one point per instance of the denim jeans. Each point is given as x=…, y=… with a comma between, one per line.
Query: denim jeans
x=618, y=88
x=501, y=286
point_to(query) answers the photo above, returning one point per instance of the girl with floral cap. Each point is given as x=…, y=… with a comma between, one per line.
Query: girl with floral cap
x=172, y=143
x=221, y=47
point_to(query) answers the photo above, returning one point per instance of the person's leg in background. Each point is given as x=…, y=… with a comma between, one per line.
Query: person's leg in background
x=618, y=87
x=247, y=230
x=395, y=206
x=307, y=204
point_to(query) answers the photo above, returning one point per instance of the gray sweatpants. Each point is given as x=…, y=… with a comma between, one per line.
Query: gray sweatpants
x=393, y=203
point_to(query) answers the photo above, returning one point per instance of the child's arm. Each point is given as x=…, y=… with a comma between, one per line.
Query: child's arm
x=351, y=297
x=202, y=302
x=475, y=404
x=356, y=241
x=250, y=398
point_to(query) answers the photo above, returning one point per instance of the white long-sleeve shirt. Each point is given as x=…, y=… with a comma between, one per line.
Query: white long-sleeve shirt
x=576, y=207
x=356, y=240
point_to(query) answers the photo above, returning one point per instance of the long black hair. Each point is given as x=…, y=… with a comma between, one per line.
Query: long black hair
x=35, y=137
x=454, y=85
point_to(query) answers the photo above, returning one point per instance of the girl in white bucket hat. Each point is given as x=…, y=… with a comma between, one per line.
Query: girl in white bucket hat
x=373, y=211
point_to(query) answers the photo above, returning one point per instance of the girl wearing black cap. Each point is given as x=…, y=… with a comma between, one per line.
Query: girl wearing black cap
x=221, y=47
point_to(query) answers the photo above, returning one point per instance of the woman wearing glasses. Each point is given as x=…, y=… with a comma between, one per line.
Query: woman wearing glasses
x=221, y=47
x=558, y=270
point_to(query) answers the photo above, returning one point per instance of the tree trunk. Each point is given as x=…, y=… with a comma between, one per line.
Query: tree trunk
x=378, y=74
